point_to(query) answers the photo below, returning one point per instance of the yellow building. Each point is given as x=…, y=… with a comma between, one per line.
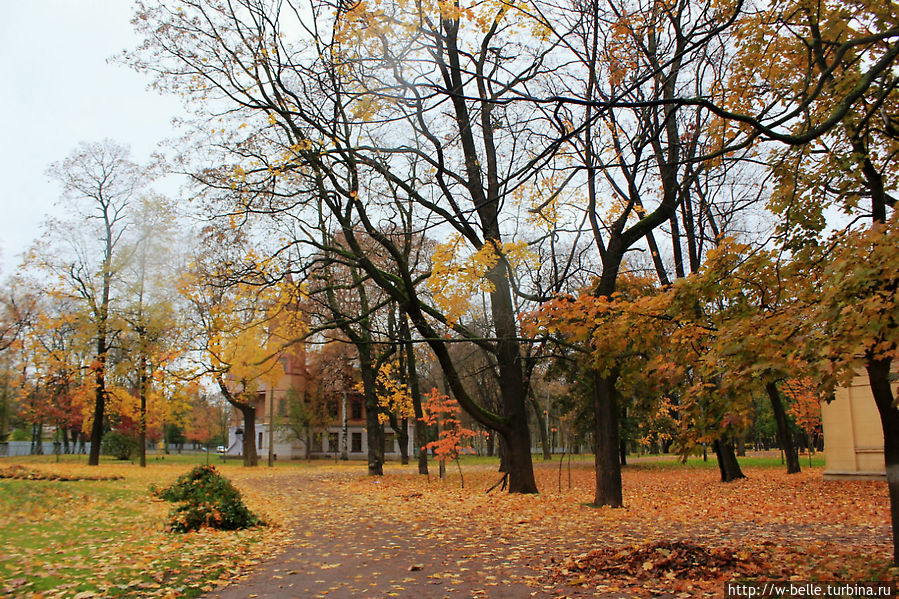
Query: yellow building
x=853, y=435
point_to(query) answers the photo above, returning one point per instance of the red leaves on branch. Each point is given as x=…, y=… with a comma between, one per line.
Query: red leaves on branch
x=442, y=411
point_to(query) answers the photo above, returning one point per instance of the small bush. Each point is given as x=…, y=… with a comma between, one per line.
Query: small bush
x=206, y=498
x=119, y=445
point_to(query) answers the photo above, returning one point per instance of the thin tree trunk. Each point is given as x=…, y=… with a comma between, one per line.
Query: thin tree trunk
x=403, y=439
x=142, y=423
x=784, y=437
x=99, y=399
x=541, y=426
x=374, y=430
x=421, y=430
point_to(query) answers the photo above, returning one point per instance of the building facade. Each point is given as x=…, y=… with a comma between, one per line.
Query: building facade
x=853, y=434
x=340, y=432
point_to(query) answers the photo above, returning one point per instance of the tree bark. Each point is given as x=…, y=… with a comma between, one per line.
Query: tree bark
x=516, y=435
x=784, y=437
x=403, y=439
x=99, y=399
x=879, y=379
x=142, y=423
x=421, y=430
x=373, y=428
x=608, y=467
x=250, y=457
x=541, y=426
x=727, y=461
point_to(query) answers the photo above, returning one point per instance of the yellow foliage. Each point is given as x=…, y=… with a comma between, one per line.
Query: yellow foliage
x=393, y=396
x=457, y=275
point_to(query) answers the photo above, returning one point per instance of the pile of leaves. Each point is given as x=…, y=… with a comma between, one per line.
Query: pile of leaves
x=665, y=560
x=22, y=473
x=205, y=498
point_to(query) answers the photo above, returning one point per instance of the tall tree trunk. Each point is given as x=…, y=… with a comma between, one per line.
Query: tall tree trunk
x=608, y=467
x=99, y=399
x=142, y=422
x=402, y=436
x=250, y=456
x=373, y=428
x=879, y=379
x=541, y=426
x=513, y=394
x=421, y=429
x=727, y=460
x=784, y=436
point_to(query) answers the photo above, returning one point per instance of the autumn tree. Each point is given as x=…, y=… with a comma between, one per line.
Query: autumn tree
x=100, y=182
x=148, y=290
x=370, y=176
x=241, y=325
x=449, y=112
x=828, y=80
x=17, y=312
x=453, y=439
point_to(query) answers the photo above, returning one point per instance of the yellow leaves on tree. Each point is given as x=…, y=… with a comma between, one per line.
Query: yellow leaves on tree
x=394, y=396
x=458, y=274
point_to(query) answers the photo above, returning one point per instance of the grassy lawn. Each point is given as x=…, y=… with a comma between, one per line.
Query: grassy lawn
x=62, y=538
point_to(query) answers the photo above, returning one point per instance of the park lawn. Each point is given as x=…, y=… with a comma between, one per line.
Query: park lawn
x=62, y=538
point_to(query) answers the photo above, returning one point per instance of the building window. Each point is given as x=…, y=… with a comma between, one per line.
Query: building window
x=332, y=442
x=260, y=439
x=333, y=408
x=357, y=443
x=316, y=441
x=356, y=409
x=389, y=446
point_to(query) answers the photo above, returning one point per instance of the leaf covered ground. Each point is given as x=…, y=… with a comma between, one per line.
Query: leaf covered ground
x=63, y=534
x=768, y=526
x=336, y=532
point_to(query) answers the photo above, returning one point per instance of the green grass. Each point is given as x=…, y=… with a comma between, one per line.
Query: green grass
x=64, y=537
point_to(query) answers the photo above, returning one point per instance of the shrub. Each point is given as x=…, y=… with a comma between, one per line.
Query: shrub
x=119, y=445
x=206, y=498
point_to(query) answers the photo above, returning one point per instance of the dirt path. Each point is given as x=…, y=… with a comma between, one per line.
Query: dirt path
x=344, y=549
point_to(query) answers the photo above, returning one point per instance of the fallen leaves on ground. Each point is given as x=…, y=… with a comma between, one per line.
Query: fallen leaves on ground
x=773, y=525
x=663, y=560
x=108, y=538
x=19, y=472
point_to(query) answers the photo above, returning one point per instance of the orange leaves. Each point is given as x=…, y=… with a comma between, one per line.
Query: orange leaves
x=754, y=528
x=443, y=412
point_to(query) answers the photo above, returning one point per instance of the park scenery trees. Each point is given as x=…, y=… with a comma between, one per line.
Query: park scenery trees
x=608, y=227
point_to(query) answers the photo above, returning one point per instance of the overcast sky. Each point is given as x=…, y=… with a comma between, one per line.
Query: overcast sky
x=57, y=89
